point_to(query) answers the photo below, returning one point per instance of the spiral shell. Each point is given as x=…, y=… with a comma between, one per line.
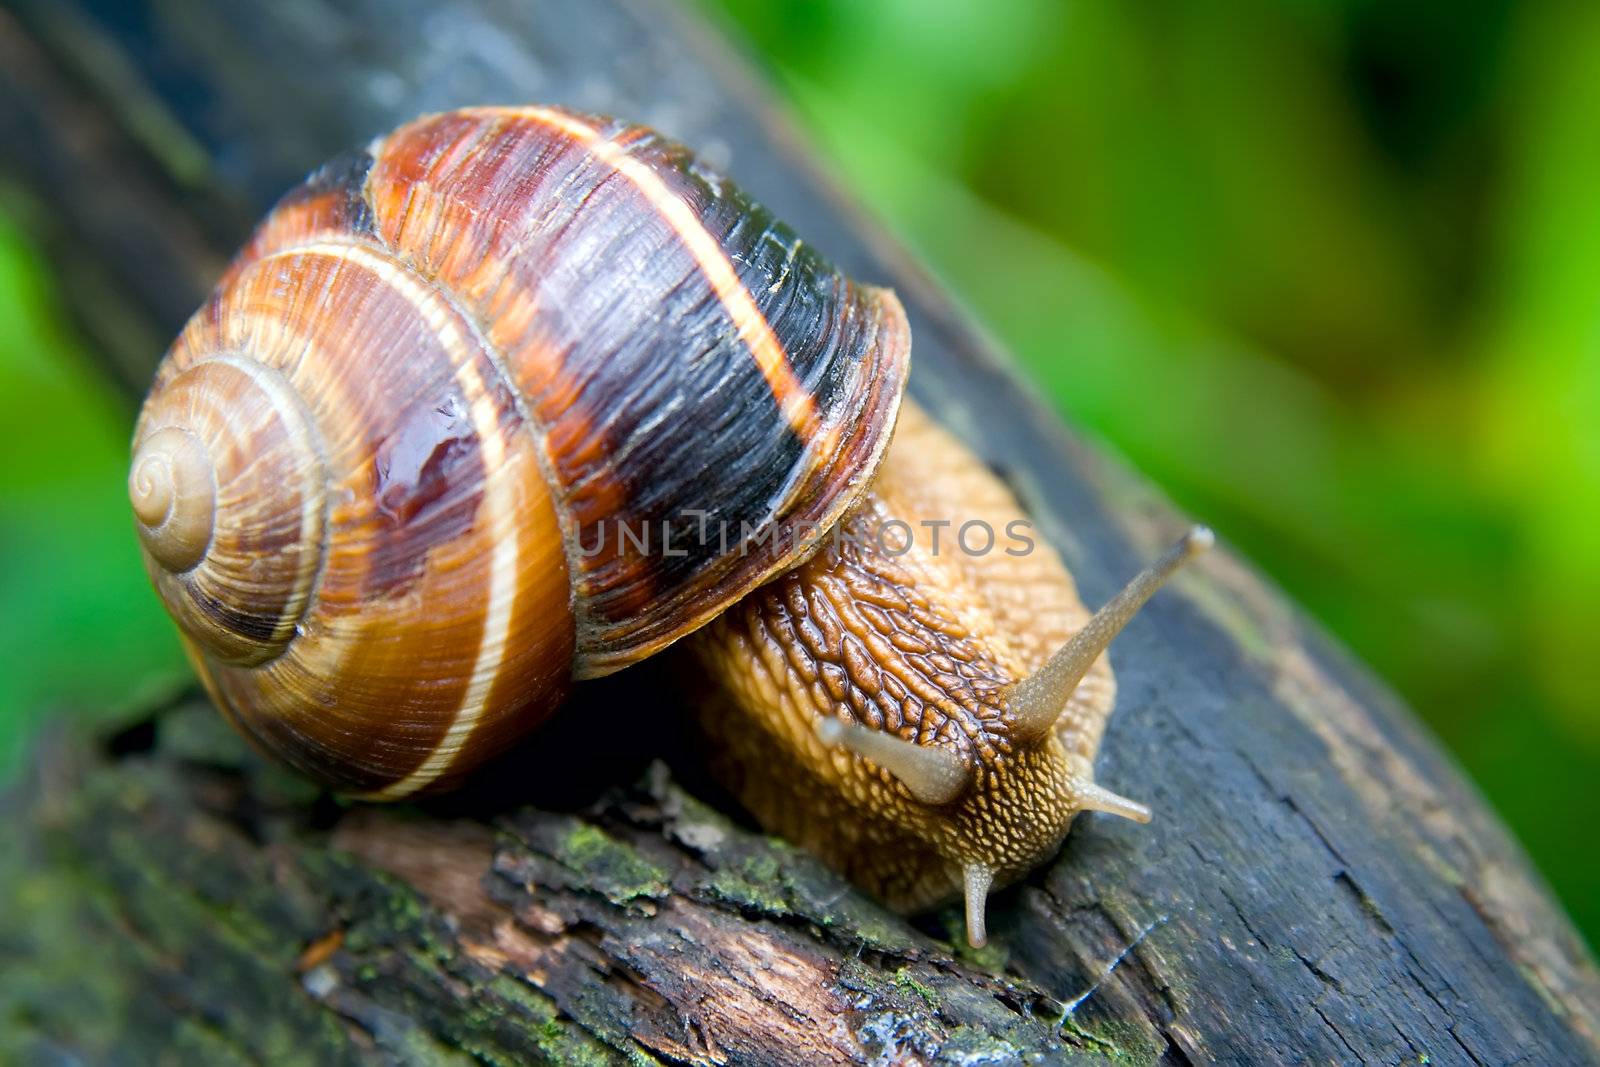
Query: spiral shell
x=380, y=477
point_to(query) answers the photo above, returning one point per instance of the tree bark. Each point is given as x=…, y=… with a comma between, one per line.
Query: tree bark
x=1319, y=884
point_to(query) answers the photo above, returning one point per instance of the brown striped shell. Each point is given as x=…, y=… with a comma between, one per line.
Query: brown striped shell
x=513, y=397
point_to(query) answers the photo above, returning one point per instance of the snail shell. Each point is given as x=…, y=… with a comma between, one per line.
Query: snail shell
x=379, y=477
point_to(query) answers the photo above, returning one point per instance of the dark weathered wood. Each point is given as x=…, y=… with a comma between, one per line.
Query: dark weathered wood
x=176, y=897
x=1319, y=884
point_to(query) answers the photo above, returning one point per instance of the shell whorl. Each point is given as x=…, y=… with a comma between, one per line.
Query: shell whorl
x=383, y=597
x=228, y=486
x=173, y=492
x=445, y=369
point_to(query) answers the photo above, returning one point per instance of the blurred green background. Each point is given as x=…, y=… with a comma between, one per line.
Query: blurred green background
x=1328, y=272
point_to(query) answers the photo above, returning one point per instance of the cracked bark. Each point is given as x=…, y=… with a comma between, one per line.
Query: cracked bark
x=1319, y=883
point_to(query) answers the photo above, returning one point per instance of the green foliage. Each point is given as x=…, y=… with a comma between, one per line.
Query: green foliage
x=1329, y=273
x=80, y=628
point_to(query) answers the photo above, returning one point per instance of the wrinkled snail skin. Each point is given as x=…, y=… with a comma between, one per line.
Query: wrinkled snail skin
x=381, y=479
x=921, y=645
x=378, y=477
x=899, y=649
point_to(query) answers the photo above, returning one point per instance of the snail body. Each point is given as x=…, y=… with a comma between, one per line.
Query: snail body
x=924, y=717
x=449, y=436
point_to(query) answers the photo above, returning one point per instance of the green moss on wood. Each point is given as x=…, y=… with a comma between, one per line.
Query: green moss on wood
x=608, y=866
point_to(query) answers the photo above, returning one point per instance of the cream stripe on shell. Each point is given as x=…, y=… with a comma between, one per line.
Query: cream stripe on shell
x=499, y=498
x=795, y=402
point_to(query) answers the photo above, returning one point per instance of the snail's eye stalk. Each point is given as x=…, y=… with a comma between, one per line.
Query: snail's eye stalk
x=1038, y=700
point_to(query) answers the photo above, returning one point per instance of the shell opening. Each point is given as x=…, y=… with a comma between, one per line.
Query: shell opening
x=173, y=491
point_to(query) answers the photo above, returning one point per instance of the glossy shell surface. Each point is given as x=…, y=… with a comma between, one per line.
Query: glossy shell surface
x=512, y=397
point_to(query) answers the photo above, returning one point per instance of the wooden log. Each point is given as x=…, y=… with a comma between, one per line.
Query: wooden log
x=1320, y=883
x=174, y=898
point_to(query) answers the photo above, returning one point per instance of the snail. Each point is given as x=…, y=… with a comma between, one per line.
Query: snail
x=517, y=397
